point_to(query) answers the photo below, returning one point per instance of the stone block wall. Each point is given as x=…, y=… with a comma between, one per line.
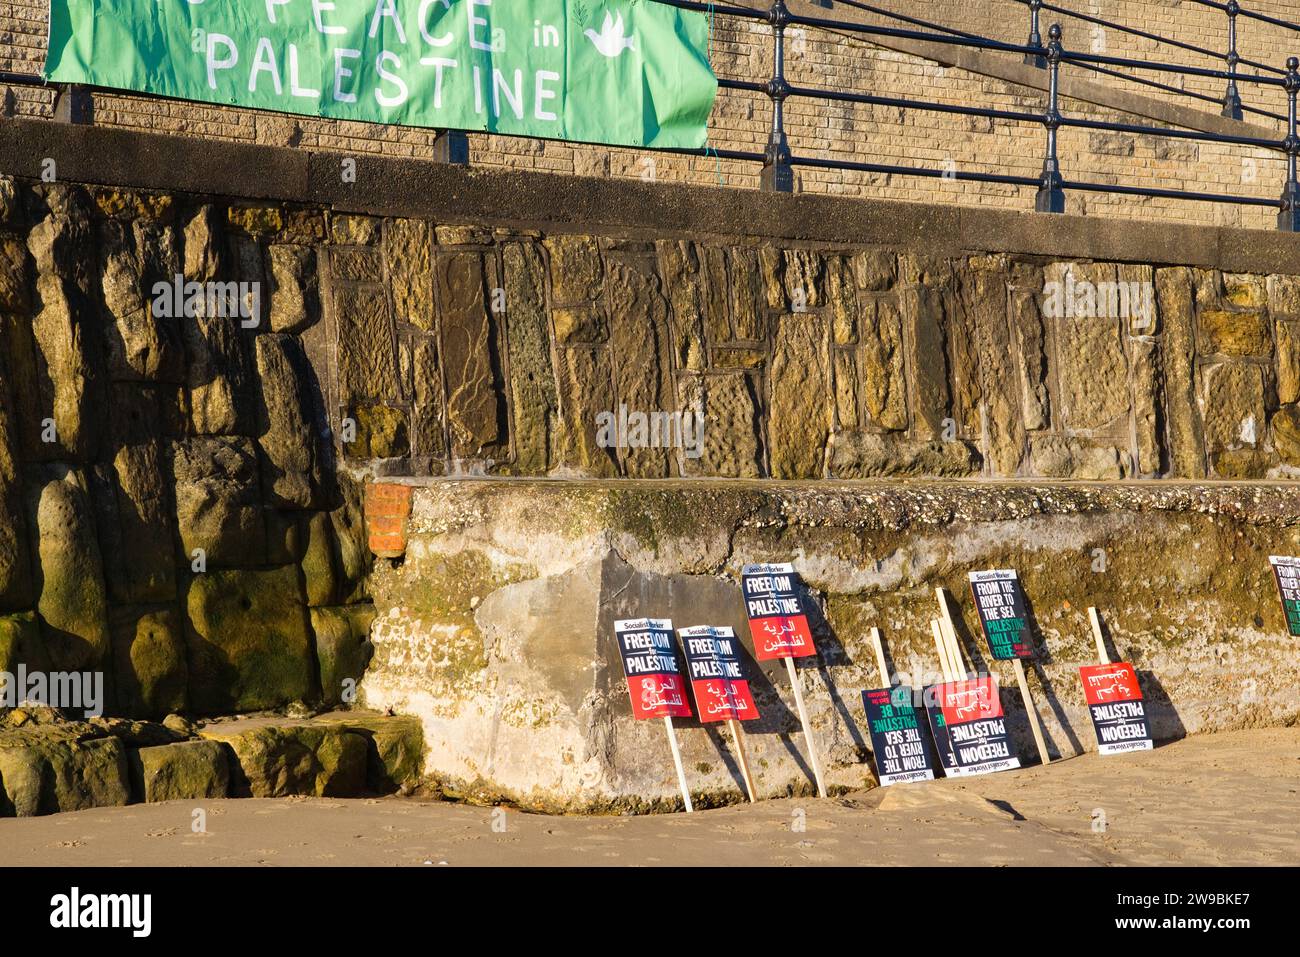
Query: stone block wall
x=170, y=510
x=495, y=351
x=180, y=499
x=844, y=131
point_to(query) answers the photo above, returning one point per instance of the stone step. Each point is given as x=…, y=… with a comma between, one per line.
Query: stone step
x=341, y=754
x=49, y=765
x=187, y=770
x=47, y=770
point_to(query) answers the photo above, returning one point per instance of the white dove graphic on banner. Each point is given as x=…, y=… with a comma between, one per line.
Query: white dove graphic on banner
x=610, y=40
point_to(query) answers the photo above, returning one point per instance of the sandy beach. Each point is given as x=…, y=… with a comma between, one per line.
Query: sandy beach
x=1209, y=800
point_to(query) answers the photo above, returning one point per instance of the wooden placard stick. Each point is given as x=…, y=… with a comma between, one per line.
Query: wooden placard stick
x=1019, y=667
x=1098, y=636
x=734, y=725
x=941, y=644
x=880, y=657
x=807, y=728
x=936, y=631
x=1031, y=710
x=879, y=647
x=960, y=669
x=677, y=763
x=949, y=632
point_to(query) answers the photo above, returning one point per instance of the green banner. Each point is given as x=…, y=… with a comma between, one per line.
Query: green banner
x=621, y=72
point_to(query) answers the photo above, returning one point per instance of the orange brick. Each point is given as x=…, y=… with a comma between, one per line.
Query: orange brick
x=388, y=506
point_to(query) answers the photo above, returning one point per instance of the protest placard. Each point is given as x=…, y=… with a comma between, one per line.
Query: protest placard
x=1115, y=704
x=969, y=727
x=897, y=739
x=1286, y=572
x=779, y=625
x=1001, y=605
x=1004, y=617
x=1114, y=700
x=777, y=620
x=654, y=680
x=719, y=685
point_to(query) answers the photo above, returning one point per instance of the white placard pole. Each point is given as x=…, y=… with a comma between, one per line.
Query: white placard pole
x=949, y=631
x=1031, y=710
x=807, y=729
x=941, y=644
x=677, y=762
x=960, y=669
x=879, y=646
x=1097, y=635
x=880, y=657
x=740, y=756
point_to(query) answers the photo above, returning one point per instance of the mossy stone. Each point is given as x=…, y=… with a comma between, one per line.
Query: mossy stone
x=247, y=640
x=73, y=602
x=188, y=770
x=293, y=758
x=343, y=649
x=149, y=654
x=396, y=747
x=51, y=769
x=20, y=644
x=320, y=562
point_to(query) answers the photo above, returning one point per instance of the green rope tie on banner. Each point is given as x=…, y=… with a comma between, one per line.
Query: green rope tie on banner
x=711, y=16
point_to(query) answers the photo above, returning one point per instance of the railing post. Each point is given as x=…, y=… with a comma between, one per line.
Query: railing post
x=1051, y=193
x=75, y=105
x=451, y=146
x=1035, y=38
x=1232, y=99
x=1288, y=220
x=778, y=174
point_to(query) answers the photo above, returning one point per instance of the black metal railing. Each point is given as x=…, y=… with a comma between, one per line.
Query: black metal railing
x=1232, y=10
x=1230, y=102
x=1035, y=40
x=780, y=159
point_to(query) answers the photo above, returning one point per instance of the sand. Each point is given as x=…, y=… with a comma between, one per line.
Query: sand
x=1215, y=799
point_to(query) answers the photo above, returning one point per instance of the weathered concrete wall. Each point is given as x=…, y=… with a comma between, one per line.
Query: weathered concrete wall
x=496, y=629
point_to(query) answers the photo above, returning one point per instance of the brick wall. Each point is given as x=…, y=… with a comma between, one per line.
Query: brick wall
x=1181, y=20
x=843, y=131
